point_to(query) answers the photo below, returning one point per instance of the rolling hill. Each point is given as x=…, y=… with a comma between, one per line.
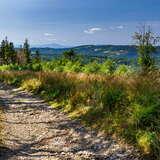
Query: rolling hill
x=113, y=51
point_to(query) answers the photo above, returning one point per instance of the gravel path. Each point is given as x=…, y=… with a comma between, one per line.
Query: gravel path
x=35, y=131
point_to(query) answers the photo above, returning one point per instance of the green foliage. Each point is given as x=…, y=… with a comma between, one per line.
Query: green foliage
x=26, y=51
x=108, y=67
x=69, y=54
x=7, y=52
x=37, y=57
x=149, y=143
x=145, y=59
x=123, y=70
x=36, y=67
x=72, y=66
x=127, y=106
x=92, y=67
x=146, y=41
x=33, y=85
x=114, y=96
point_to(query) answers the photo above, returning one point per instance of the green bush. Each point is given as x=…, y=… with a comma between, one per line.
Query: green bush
x=108, y=67
x=123, y=70
x=113, y=97
x=33, y=85
x=92, y=67
x=149, y=143
x=36, y=67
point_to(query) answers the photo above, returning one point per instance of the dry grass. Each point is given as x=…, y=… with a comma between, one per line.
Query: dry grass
x=126, y=106
x=1, y=128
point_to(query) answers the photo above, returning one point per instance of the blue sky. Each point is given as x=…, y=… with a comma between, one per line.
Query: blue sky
x=76, y=22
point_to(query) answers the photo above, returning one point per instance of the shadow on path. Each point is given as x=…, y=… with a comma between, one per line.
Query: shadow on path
x=35, y=131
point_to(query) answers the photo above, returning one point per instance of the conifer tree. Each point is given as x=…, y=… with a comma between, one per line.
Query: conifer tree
x=69, y=54
x=26, y=50
x=12, y=53
x=7, y=52
x=37, y=57
x=2, y=52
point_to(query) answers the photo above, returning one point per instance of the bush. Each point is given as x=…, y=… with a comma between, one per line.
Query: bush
x=123, y=70
x=108, y=67
x=36, y=67
x=33, y=85
x=114, y=96
x=92, y=67
x=149, y=143
x=5, y=68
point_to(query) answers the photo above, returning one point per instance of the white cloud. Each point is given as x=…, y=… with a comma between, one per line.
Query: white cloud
x=112, y=28
x=120, y=27
x=51, y=39
x=48, y=34
x=92, y=30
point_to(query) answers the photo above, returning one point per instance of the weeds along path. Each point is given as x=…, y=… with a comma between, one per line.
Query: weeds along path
x=35, y=131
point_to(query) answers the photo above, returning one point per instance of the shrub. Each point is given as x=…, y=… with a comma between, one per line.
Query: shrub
x=114, y=96
x=5, y=68
x=36, y=67
x=92, y=67
x=145, y=116
x=33, y=85
x=123, y=70
x=108, y=67
x=149, y=143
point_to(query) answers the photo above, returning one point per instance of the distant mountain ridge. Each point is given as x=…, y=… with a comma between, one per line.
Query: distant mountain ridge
x=114, y=51
x=51, y=45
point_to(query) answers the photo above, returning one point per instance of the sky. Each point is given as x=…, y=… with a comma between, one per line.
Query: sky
x=76, y=22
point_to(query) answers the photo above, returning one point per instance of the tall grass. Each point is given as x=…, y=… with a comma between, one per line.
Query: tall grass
x=1, y=128
x=127, y=106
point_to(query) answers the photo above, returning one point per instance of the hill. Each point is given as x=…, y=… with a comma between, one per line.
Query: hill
x=113, y=51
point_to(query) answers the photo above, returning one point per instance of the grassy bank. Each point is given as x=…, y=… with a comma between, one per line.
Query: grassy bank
x=127, y=106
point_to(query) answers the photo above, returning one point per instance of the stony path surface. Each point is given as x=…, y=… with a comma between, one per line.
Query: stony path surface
x=35, y=131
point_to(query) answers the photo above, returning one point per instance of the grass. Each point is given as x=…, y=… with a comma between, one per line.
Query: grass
x=127, y=106
x=1, y=128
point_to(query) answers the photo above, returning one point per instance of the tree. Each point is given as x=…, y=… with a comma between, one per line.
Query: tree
x=13, y=53
x=2, y=52
x=69, y=54
x=7, y=52
x=146, y=45
x=37, y=57
x=26, y=50
x=21, y=58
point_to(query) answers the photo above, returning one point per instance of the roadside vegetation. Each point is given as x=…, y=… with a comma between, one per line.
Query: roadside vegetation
x=115, y=99
x=1, y=127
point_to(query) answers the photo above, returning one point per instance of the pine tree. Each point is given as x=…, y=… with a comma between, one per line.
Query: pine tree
x=69, y=54
x=26, y=50
x=2, y=52
x=12, y=53
x=7, y=52
x=37, y=57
